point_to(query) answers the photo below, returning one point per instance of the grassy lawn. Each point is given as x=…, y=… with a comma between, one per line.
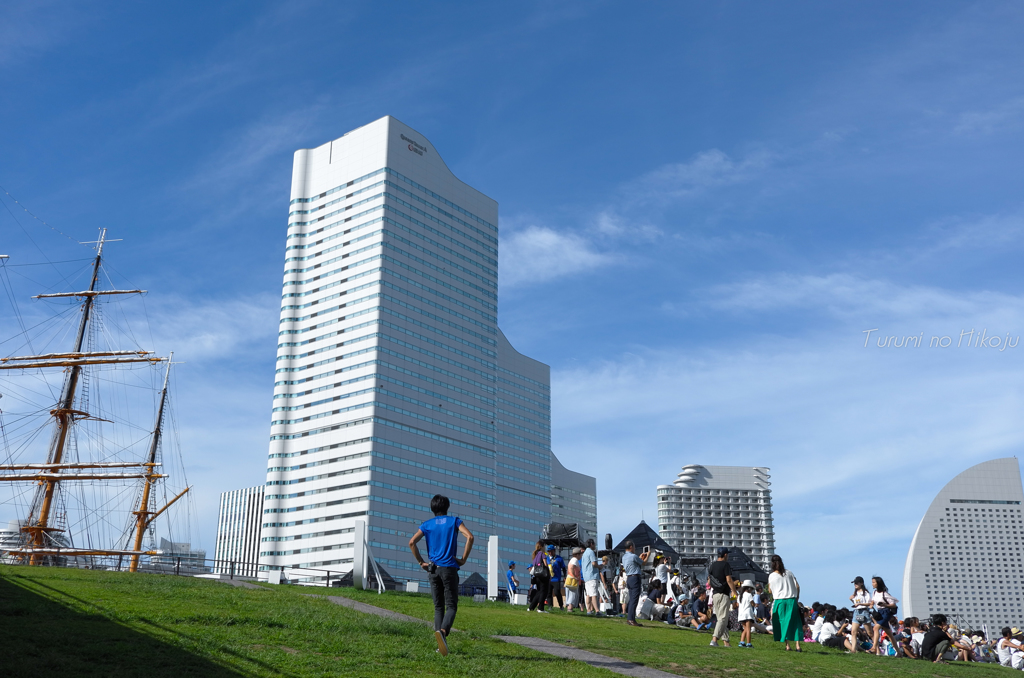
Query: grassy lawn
x=58, y=622
x=667, y=648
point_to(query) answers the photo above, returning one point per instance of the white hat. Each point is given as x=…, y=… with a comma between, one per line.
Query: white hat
x=746, y=583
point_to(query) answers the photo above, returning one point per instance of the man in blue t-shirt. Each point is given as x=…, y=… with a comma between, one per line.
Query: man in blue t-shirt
x=557, y=576
x=442, y=535
x=513, y=581
x=591, y=577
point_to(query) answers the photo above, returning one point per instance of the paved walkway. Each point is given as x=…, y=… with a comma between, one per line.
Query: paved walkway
x=379, y=611
x=546, y=646
x=242, y=583
x=599, y=660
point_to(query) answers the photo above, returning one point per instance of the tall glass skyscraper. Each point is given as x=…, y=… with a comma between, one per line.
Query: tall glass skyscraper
x=393, y=381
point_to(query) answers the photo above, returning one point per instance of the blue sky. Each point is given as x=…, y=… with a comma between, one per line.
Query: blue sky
x=703, y=206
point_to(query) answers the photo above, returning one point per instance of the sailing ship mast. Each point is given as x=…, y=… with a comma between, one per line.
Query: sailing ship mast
x=143, y=517
x=38, y=531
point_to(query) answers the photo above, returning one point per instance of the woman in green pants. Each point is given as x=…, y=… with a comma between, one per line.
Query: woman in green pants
x=787, y=624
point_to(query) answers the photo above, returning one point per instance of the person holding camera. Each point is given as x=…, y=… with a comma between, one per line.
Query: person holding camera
x=442, y=535
x=633, y=567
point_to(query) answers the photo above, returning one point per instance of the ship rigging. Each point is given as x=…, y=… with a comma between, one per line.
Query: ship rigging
x=80, y=490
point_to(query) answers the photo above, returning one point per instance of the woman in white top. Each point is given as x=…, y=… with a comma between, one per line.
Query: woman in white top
x=885, y=609
x=787, y=623
x=862, y=604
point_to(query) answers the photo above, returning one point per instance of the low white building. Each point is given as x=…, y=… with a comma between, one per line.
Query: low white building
x=712, y=506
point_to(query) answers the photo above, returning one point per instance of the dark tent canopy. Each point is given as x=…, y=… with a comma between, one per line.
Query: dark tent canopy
x=389, y=582
x=743, y=567
x=473, y=585
x=564, y=535
x=644, y=535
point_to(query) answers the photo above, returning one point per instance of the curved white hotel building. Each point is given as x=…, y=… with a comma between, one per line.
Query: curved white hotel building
x=711, y=506
x=393, y=381
x=965, y=558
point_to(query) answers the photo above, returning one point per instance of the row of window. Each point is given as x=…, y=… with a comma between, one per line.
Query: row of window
x=394, y=236
x=404, y=179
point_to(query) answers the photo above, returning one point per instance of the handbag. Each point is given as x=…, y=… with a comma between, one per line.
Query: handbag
x=571, y=582
x=536, y=570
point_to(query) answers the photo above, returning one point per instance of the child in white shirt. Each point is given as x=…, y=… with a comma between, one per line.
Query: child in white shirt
x=746, y=611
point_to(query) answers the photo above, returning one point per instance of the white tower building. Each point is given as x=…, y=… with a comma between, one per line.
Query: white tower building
x=393, y=380
x=712, y=506
x=238, y=531
x=965, y=558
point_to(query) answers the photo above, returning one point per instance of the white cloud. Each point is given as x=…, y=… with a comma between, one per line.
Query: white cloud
x=1006, y=114
x=215, y=329
x=848, y=296
x=538, y=254
x=990, y=231
x=857, y=438
x=707, y=170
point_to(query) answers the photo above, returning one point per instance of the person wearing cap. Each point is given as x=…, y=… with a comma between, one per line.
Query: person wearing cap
x=723, y=587
x=557, y=576
x=513, y=581
x=787, y=624
x=745, y=611
x=862, y=605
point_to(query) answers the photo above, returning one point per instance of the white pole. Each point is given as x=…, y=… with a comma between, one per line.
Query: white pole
x=359, y=555
x=493, y=567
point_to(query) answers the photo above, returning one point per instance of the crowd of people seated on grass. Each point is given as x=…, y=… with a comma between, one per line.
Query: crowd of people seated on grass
x=718, y=604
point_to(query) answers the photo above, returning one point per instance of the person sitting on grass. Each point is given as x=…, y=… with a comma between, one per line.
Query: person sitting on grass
x=701, y=617
x=442, y=535
x=936, y=641
x=1010, y=651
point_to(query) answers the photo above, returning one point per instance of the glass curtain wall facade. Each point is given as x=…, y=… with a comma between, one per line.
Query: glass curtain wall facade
x=393, y=381
x=239, y=524
x=711, y=506
x=966, y=556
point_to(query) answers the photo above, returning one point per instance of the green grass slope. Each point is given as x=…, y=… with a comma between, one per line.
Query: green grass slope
x=58, y=622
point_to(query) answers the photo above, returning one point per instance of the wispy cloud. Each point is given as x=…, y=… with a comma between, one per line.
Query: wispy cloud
x=821, y=410
x=537, y=254
x=1010, y=113
x=990, y=231
x=30, y=28
x=705, y=171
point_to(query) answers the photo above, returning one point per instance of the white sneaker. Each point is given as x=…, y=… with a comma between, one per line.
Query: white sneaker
x=713, y=644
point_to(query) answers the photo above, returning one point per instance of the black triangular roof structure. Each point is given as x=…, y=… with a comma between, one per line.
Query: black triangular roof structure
x=644, y=535
x=389, y=582
x=743, y=567
x=473, y=580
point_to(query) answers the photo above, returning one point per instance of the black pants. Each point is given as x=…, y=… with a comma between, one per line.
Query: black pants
x=444, y=586
x=633, y=582
x=555, y=593
x=540, y=594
